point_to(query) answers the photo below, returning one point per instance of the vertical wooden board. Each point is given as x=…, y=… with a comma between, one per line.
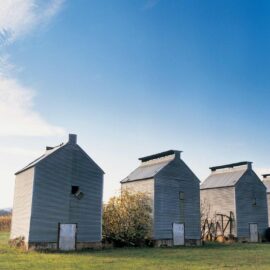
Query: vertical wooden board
x=67, y=237
x=253, y=232
x=178, y=234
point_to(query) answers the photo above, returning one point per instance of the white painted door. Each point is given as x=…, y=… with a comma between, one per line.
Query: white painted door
x=67, y=237
x=253, y=230
x=178, y=234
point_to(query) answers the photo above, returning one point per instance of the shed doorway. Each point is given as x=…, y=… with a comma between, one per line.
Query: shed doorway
x=178, y=234
x=253, y=232
x=67, y=237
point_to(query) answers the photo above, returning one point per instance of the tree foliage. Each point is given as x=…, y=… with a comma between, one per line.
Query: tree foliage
x=127, y=219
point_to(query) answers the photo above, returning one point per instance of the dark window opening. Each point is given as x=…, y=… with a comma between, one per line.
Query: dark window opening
x=74, y=189
x=182, y=207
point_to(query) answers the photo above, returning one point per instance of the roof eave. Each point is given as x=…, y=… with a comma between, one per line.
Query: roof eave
x=90, y=158
x=217, y=187
x=29, y=166
x=134, y=180
x=23, y=170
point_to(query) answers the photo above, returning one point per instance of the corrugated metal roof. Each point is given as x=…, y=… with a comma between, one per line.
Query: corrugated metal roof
x=146, y=171
x=223, y=179
x=267, y=184
x=46, y=154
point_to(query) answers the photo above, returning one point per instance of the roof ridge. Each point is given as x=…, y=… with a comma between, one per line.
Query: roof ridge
x=160, y=155
x=231, y=165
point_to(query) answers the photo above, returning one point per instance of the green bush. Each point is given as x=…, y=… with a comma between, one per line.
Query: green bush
x=127, y=219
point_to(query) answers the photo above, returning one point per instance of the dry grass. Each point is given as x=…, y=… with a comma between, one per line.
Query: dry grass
x=5, y=223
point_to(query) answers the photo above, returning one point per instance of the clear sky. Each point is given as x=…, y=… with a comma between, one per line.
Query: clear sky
x=133, y=78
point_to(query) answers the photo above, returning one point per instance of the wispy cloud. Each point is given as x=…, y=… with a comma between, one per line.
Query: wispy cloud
x=18, y=17
x=18, y=116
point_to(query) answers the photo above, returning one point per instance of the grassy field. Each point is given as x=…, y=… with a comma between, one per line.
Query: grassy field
x=213, y=256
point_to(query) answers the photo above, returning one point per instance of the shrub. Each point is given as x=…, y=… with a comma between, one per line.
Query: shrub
x=5, y=223
x=127, y=219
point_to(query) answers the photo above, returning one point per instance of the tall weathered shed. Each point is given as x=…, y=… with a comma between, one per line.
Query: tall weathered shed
x=234, y=190
x=175, y=195
x=58, y=200
x=266, y=181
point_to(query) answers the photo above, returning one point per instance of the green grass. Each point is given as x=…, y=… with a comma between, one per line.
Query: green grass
x=211, y=256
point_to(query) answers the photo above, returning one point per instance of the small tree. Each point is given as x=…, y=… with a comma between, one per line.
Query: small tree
x=127, y=219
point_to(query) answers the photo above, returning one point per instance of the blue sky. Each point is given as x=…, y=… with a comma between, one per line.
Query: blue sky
x=133, y=78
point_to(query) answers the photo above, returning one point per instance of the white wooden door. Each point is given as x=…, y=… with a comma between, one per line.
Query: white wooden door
x=67, y=237
x=178, y=234
x=253, y=230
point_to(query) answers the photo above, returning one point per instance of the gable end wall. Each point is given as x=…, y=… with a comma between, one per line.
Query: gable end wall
x=53, y=202
x=176, y=177
x=248, y=188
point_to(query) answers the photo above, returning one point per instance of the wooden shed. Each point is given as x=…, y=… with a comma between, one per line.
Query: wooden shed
x=58, y=200
x=235, y=198
x=266, y=181
x=175, y=195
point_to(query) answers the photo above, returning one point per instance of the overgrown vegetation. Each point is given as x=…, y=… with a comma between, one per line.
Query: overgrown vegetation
x=5, y=223
x=127, y=219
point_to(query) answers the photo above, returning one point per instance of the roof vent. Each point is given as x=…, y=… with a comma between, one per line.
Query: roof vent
x=161, y=155
x=232, y=165
x=72, y=138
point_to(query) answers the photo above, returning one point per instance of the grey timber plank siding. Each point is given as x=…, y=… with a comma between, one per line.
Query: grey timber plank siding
x=172, y=177
x=248, y=188
x=266, y=181
x=53, y=202
x=22, y=205
x=268, y=208
x=176, y=177
x=219, y=201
